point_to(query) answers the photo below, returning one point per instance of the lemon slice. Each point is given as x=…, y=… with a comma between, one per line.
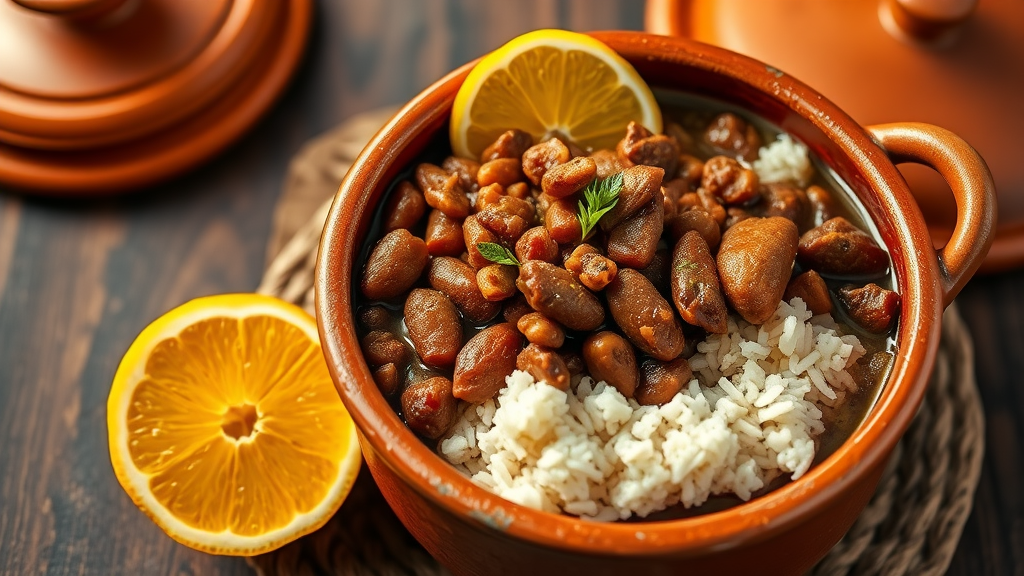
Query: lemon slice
x=551, y=81
x=225, y=428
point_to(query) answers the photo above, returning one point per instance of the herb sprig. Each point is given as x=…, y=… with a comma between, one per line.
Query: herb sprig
x=497, y=253
x=599, y=197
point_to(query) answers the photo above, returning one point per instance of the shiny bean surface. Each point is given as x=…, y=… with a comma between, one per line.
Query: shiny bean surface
x=483, y=363
x=429, y=407
x=644, y=316
x=434, y=326
x=552, y=291
x=755, y=261
x=394, y=265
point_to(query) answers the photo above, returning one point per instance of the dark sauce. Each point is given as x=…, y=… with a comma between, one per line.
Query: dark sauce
x=693, y=113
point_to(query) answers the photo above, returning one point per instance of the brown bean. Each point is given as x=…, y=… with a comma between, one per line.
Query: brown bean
x=735, y=215
x=574, y=362
x=690, y=170
x=442, y=191
x=381, y=347
x=640, y=185
x=375, y=317
x=633, y=242
x=561, y=221
x=394, y=265
x=519, y=190
x=661, y=381
x=871, y=307
x=386, y=377
x=405, y=207
x=473, y=234
x=658, y=272
x=552, y=291
x=429, y=407
x=515, y=308
x=569, y=178
x=711, y=205
x=444, y=235
x=610, y=359
x=536, y=244
x=488, y=196
x=644, y=316
x=699, y=221
x=823, y=207
x=810, y=288
x=504, y=171
x=671, y=191
x=695, y=288
x=545, y=365
x=641, y=147
x=574, y=262
x=730, y=134
x=597, y=272
x=539, y=329
x=465, y=168
x=689, y=201
x=511, y=144
x=485, y=361
x=726, y=179
x=839, y=248
x=507, y=227
x=434, y=326
x=540, y=158
x=457, y=280
x=788, y=201
x=497, y=281
x=755, y=262
x=523, y=208
x=607, y=163
x=683, y=139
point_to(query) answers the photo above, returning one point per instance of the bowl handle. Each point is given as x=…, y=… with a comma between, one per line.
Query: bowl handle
x=963, y=169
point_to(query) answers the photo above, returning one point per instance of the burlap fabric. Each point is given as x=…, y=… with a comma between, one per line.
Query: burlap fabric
x=911, y=526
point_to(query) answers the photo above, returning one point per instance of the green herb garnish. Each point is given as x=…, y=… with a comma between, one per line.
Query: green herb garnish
x=686, y=265
x=599, y=197
x=497, y=253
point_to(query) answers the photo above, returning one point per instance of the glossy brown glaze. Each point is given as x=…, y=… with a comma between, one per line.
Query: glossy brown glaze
x=483, y=533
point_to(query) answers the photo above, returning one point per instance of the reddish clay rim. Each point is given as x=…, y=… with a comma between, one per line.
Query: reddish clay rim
x=892, y=207
x=181, y=147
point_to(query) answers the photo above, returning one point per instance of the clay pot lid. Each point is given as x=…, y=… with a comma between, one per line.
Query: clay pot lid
x=99, y=96
x=958, y=64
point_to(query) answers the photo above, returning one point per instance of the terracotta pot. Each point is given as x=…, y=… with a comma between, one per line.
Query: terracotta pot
x=784, y=532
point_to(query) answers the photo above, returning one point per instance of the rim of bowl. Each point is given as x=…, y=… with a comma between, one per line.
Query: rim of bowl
x=889, y=204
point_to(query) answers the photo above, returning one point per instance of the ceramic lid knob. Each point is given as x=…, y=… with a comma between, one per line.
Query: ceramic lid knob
x=102, y=95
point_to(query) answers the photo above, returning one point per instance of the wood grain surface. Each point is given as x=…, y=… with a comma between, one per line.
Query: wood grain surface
x=79, y=280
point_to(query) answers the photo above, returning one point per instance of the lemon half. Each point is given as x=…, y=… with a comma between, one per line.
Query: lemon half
x=551, y=81
x=225, y=427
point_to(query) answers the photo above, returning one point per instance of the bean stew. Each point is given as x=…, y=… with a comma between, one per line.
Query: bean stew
x=560, y=262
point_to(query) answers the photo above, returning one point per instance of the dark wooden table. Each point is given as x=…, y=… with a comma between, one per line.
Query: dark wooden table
x=79, y=280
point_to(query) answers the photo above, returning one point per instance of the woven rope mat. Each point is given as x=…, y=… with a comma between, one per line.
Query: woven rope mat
x=911, y=526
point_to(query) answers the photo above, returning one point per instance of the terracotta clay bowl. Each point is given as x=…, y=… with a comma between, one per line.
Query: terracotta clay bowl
x=472, y=531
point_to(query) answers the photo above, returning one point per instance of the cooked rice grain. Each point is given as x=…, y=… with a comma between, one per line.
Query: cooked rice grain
x=749, y=416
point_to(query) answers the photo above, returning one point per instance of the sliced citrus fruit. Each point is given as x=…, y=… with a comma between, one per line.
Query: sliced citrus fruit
x=550, y=81
x=225, y=428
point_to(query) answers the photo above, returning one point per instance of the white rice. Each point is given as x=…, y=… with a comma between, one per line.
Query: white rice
x=750, y=415
x=784, y=160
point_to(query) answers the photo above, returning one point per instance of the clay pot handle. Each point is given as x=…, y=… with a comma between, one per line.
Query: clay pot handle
x=968, y=176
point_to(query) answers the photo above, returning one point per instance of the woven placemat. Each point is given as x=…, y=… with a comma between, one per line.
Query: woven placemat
x=911, y=526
